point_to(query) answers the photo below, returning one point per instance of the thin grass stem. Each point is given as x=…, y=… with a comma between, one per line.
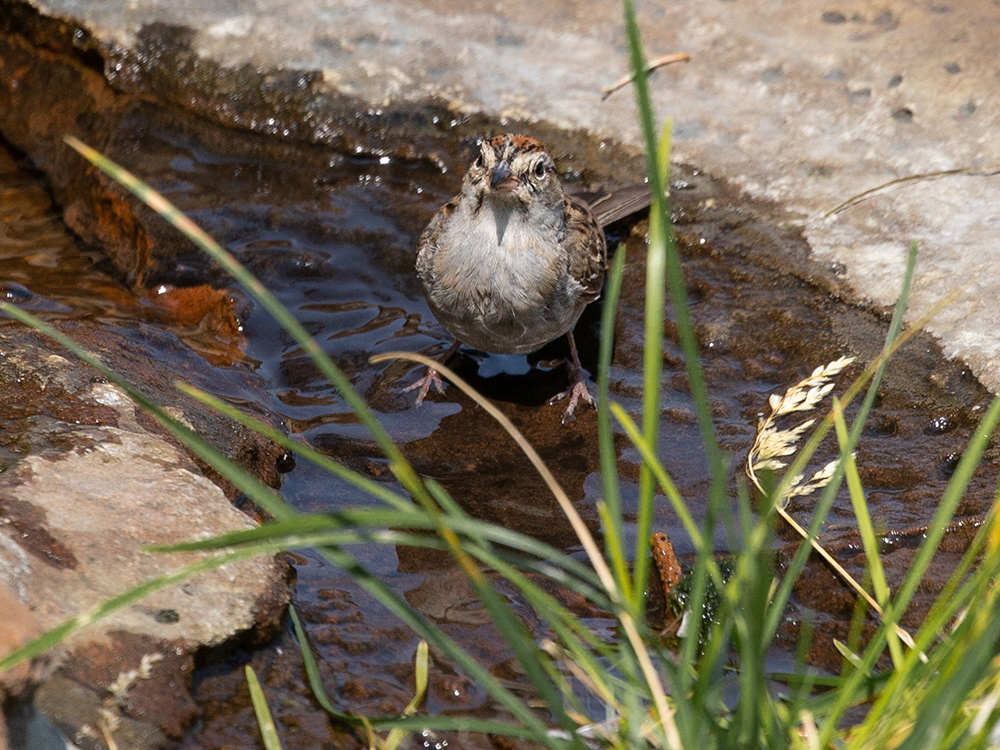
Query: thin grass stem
x=610, y=508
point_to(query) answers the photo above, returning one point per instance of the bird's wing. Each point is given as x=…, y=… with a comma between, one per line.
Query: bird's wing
x=427, y=245
x=611, y=207
x=589, y=259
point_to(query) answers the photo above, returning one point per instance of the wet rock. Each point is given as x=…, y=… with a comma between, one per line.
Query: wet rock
x=86, y=487
x=18, y=626
x=140, y=682
x=55, y=408
x=53, y=83
x=97, y=213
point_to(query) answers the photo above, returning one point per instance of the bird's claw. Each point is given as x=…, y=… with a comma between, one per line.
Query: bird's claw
x=575, y=393
x=430, y=378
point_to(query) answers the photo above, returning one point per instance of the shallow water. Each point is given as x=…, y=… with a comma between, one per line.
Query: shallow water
x=333, y=235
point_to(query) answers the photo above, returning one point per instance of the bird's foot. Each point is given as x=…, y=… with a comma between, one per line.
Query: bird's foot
x=577, y=391
x=430, y=378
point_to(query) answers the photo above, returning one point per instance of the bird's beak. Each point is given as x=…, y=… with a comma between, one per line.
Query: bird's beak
x=501, y=179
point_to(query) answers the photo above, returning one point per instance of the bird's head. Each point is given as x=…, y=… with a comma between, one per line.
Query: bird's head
x=512, y=168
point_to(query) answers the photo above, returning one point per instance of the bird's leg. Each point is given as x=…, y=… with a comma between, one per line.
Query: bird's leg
x=578, y=385
x=431, y=377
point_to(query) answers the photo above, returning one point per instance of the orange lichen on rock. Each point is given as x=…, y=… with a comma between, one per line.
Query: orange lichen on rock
x=208, y=314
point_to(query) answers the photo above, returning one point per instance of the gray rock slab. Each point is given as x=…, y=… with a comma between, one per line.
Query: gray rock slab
x=75, y=523
x=805, y=104
x=87, y=482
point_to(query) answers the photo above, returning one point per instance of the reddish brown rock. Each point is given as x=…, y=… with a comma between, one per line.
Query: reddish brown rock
x=17, y=626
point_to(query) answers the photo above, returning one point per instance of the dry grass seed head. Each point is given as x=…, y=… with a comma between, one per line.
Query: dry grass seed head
x=772, y=444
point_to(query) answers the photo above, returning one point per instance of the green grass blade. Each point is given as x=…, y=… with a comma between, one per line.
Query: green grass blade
x=509, y=566
x=795, y=567
x=656, y=265
x=573, y=635
x=428, y=631
x=942, y=702
x=445, y=501
x=268, y=732
x=610, y=509
x=663, y=263
x=312, y=672
x=397, y=736
x=866, y=530
x=956, y=593
x=439, y=640
x=953, y=494
x=460, y=723
x=962, y=592
x=935, y=531
x=388, y=526
x=534, y=662
x=58, y=634
x=669, y=489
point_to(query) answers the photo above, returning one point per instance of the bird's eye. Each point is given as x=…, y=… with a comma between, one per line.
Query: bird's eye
x=539, y=169
x=479, y=161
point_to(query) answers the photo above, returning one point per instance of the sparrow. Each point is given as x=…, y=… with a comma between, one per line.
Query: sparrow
x=509, y=264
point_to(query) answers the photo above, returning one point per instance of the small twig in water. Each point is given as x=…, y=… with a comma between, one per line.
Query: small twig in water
x=899, y=182
x=652, y=65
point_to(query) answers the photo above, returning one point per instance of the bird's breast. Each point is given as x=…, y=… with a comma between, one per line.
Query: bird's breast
x=502, y=286
x=499, y=270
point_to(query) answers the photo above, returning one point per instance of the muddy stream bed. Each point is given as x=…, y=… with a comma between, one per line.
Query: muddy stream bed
x=333, y=235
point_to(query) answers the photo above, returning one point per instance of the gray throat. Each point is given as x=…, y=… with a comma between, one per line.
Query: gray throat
x=501, y=215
